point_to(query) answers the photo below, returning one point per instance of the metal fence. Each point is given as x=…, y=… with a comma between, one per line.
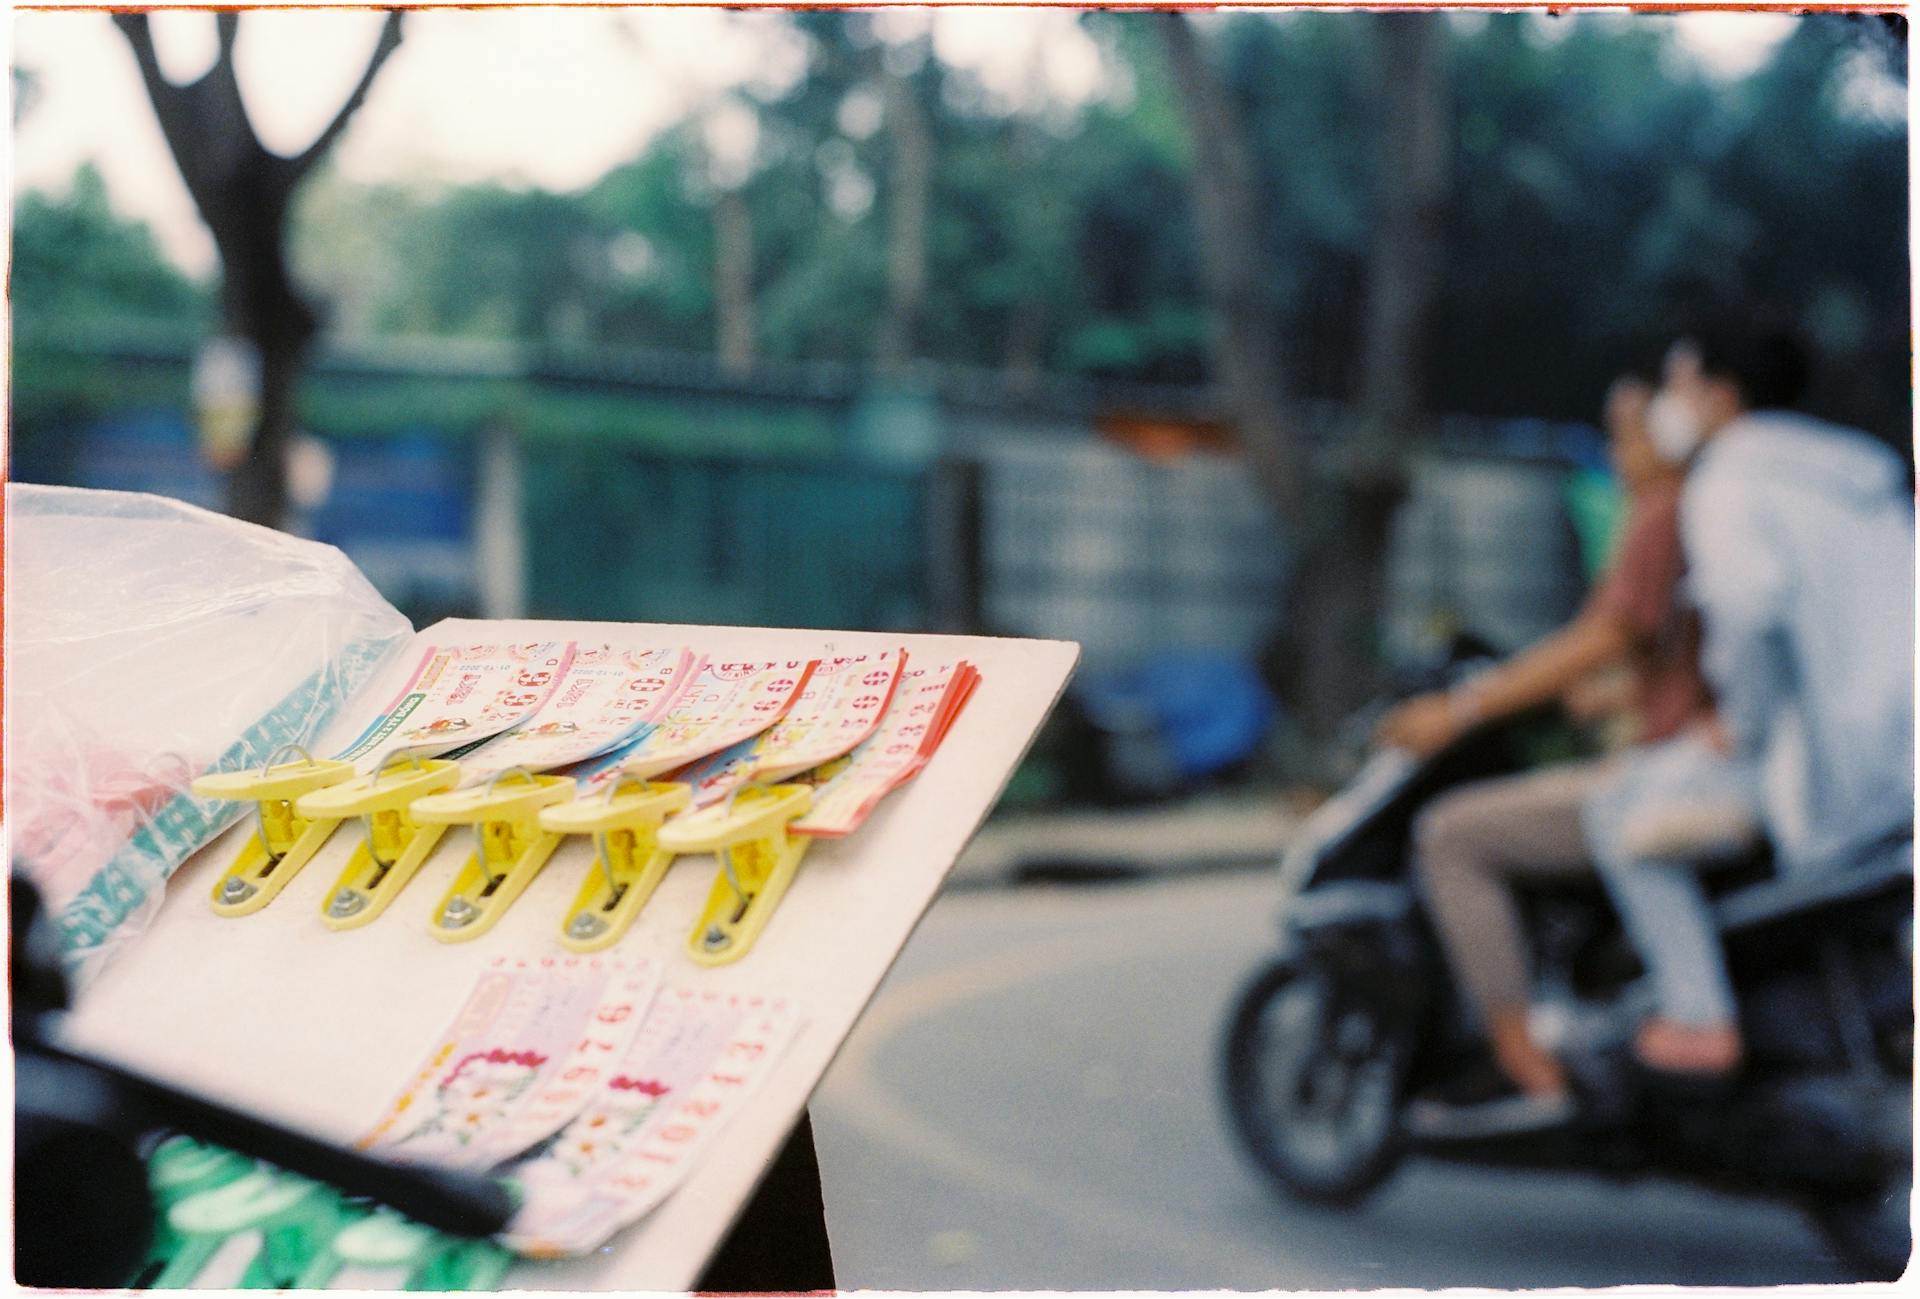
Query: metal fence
x=488, y=484
x=635, y=536
x=1089, y=542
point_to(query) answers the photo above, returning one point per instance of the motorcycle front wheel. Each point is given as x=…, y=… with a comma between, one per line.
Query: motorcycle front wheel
x=1311, y=1072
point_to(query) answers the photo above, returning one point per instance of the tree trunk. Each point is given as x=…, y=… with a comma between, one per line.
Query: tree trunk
x=1343, y=578
x=257, y=487
x=909, y=187
x=1332, y=649
x=1022, y=362
x=260, y=303
x=1409, y=238
x=733, y=281
x=1235, y=270
x=1337, y=523
x=262, y=306
x=244, y=192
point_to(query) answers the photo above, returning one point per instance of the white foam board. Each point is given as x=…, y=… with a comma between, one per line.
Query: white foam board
x=318, y=1029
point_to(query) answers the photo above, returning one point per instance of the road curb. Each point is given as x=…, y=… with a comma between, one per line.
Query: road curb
x=1110, y=846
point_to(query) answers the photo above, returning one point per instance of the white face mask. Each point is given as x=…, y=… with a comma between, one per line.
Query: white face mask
x=1672, y=427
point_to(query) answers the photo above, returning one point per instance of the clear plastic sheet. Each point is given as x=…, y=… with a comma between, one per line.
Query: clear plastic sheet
x=148, y=642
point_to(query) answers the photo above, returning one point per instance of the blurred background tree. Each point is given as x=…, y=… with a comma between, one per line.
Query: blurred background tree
x=88, y=265
x=1340, y=515
x=243, y=191
x=1414, y=216
x=1596, y=176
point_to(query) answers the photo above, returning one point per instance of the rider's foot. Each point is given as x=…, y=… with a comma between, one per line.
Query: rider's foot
x=1484, y=1102
x=1530, y=1067
x=1709, y=1052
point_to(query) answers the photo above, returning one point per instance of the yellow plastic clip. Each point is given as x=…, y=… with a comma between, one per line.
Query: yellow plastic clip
x=283, y=839
x=394, y=845
x=509, y=847
x=758, y=859
x=628, y=858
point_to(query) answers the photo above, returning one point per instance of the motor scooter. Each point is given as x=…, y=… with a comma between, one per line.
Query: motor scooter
x=1355, y=1015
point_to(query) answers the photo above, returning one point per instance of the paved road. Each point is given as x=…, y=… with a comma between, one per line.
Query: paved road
x=1030, y=1104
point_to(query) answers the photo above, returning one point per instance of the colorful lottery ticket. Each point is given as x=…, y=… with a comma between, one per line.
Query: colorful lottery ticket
x=609, y=696
x=533, y=1042
x=714, y=777
x=460, y=694
x=840, y=706
x=691, y=1068
x=925, y=705
x=723, y=704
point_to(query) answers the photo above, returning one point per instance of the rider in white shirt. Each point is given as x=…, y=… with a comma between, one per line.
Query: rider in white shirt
x=1799, y=539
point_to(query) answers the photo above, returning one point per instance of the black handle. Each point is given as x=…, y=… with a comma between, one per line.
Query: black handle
x=461, y=1204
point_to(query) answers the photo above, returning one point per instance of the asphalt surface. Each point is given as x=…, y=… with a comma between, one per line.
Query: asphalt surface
x=1031, y=1103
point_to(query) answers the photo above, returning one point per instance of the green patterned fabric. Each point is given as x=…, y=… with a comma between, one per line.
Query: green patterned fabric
x=233, y=1223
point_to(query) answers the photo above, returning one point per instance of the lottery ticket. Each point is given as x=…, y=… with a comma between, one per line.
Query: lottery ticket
x=462, y=693
x=839, y=707
x=694, y=1064
x=842, y=703
x=722, y=704
x=608, y=698
x=925, y=704
x=524, y=1054
x=713, y=778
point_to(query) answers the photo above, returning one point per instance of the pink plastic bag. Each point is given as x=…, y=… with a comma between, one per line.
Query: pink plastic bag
x=148, y=642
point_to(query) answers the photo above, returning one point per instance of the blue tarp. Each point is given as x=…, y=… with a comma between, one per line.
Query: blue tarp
x=1209, y=710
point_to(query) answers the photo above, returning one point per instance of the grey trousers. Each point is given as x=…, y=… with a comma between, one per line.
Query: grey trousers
x=1472, y=842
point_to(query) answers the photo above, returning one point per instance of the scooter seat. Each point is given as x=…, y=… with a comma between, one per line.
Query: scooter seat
x=1884, y=870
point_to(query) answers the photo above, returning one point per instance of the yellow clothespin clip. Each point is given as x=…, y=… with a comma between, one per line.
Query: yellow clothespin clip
x=628, y=858
x=758, y=858
x=509, y=847
x=395, y=845
x=283, y=839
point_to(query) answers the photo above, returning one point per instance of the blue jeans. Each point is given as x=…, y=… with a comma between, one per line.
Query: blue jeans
x=1660, y=897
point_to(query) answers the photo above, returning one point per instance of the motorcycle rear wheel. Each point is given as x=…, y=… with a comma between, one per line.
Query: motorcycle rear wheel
x=1311, y=1075
x=1872, y=1233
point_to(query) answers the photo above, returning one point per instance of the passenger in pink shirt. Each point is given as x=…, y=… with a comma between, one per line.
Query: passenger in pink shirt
x=1473, y=842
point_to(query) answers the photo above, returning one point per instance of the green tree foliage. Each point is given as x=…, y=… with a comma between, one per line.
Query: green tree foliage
x=76, y=261
x=488, y=261
x=819, y=245
x=1604, y=184
x=655, y=250
x=1602, y=180
x=1817, y=172
x=1607, y=186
